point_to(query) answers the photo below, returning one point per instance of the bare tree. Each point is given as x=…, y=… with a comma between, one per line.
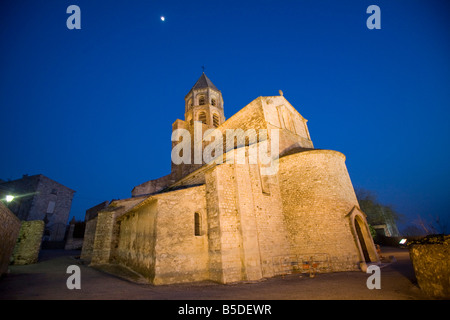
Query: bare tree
x=442, y=225
x=432, y=225
x=377, y=213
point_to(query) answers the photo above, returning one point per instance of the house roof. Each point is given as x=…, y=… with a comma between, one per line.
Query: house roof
x=204, y=82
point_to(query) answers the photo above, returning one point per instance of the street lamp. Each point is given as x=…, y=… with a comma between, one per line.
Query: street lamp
x=9, y=198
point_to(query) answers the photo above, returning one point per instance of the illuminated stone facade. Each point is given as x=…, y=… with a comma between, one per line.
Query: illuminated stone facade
x=40, y=198
x=9, y=231
x=230, y=222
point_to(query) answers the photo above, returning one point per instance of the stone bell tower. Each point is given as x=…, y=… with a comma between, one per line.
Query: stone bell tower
x=203, y=111
x=204, y=103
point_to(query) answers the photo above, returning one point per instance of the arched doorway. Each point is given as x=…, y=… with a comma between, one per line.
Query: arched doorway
x=364, y=241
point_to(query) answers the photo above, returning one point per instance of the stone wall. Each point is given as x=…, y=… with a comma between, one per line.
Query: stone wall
x=89, y=231
x=136, y=240
x=247, y=234
x=28, y=243
x=432, y=267
x=105, y=238
x=213, y=224
x=50, y=191
x=317, y=197
x=152, y=186
x=225, y=242
x=279, y=113
x=180, y=254
x=88, y=241
x=270, y=221
x=101, y=249
x=92, y=212
x=157, y=238
x=73, y=243
x=9, y=231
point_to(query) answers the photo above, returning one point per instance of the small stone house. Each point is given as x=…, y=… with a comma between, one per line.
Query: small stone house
x=38, y=197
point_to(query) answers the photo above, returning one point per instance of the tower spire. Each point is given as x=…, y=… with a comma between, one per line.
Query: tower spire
x=204, y=103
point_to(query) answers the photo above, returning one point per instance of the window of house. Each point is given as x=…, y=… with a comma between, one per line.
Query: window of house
x=197, y=224
x=51, y=207
x=201, y=100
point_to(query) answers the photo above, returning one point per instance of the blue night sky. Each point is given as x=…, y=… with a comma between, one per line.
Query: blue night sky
x=93, y=108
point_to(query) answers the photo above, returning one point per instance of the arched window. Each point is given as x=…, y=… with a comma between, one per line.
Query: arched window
x=202, y=117
x=201, y=100
x=213, y=101
x=215, y=120
x=197, y=224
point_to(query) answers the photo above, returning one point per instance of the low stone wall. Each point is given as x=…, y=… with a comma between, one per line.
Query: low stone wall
x=431, y=263
x=9, y=231
x=74, y=244
x=88, y=242
x=28, y=243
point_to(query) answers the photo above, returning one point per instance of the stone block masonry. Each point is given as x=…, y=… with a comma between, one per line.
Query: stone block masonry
x=103, y=237
x=28, y=243
x=431, y=263
x=99, y=247
x=317, y=198
x=9, y=231
x=88, y=241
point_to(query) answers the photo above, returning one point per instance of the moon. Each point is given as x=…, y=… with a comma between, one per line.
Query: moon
x=163, y=18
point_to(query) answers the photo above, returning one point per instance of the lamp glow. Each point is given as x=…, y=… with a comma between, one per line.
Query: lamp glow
x=403, y=241
x=9, y=198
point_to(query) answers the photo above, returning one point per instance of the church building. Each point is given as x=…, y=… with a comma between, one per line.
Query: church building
x=230, y=221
